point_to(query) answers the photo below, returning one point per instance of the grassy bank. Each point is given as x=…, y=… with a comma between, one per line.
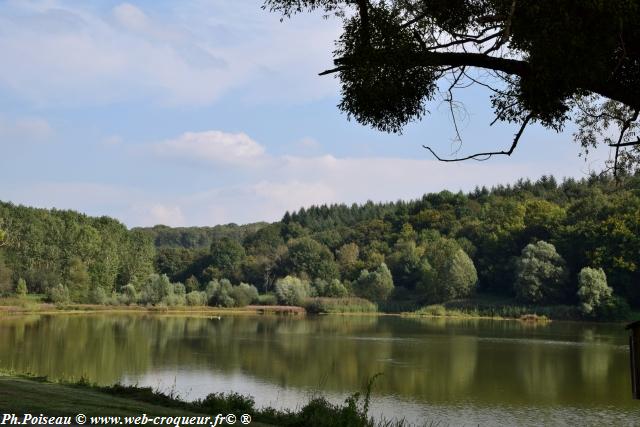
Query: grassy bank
x=480, y=306
x=20, y=395
x=495, y=307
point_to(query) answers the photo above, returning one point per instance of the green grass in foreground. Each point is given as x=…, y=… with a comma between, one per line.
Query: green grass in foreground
x=20, y=395
x=24, y=395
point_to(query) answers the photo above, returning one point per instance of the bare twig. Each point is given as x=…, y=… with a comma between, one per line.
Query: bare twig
x=489, y=154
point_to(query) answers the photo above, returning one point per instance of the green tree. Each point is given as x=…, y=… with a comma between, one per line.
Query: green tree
x=446, y=272
x=97, y=295
x=392, y=56
x=541, y=274
x=192, y=284
x=593, y=292
x=335, y=289
x=306, y=257
x=21, y=288
x=227, y=256
x=196, y=298
x=375, y=286
x=156, y=288
x=404, y=262
x=291, y=290
x=78, y=281
x=348, y=259
x=6, y=274
x=244, y=294
x=130, y=294
x=58, y=294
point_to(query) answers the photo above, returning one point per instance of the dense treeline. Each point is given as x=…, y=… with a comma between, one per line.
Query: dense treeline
x=41, y=249
x=530, y=241
x=197, y=237
x=541, y=243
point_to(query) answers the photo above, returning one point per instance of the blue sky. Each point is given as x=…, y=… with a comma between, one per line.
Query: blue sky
x=202, y=112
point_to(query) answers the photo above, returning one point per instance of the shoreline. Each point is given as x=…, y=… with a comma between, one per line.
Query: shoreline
x=84, y=309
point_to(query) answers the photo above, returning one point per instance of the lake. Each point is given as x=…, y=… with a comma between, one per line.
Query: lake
x=456, y=372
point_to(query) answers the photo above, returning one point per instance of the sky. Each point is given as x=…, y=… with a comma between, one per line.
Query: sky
x=204, y=112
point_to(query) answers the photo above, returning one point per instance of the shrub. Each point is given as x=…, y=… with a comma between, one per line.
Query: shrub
x=336, y=289
x=155, y=289
x=175, y=300
x=614, y=308
x=196, y=298
x=292, y=291
x=230, y=403
x=129, y=294
x=376, y=285
x=97, y=295
x=218, y=294
x=179, y=289
x=244, y=294
x=58, y=294
x=21, y=288
x=267, y=299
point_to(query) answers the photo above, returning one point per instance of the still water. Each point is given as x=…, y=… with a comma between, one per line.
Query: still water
x=455, y=372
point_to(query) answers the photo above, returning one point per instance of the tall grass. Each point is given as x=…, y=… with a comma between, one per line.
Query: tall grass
x=339, y=305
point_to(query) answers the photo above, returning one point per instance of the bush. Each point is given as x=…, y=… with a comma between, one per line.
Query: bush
x=614, y=308
x=196, y=298
x=267, y=299
x=129, y=294
x=376, y=285
x=244, y=294
x=218, y=294
x=593, y=291
x=175, y=300
x=58, y=294
x=21, y=288
x=227, y=403
x=179, y=289
x=97, y=295
x=292, y=291
x=155, y=289
x=336, y=290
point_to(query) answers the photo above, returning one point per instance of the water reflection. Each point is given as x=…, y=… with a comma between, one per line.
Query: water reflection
x=442, y=362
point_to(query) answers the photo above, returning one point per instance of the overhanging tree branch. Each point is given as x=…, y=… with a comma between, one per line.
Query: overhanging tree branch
x=489, y=154
x=509, y=66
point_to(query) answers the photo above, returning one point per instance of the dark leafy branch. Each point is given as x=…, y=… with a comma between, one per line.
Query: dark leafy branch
x=392, y=54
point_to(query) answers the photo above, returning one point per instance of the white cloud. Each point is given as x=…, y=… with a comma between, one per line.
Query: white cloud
x=64, y=53
x=167, y=215
x=131, y=17
x=263, y=186
x=24, y=129
x=212, y=147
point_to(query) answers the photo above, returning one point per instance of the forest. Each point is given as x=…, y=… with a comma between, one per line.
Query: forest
x=572, y=244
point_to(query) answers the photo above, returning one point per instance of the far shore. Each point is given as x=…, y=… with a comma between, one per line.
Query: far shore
x=252, y=310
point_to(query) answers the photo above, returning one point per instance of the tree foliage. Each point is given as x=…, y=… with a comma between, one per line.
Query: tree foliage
x=291, y=290
x=21, y=288
x=446, y=272
x=394, y=56
x=376, y=285
x=541, y=274
x=593, y=292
